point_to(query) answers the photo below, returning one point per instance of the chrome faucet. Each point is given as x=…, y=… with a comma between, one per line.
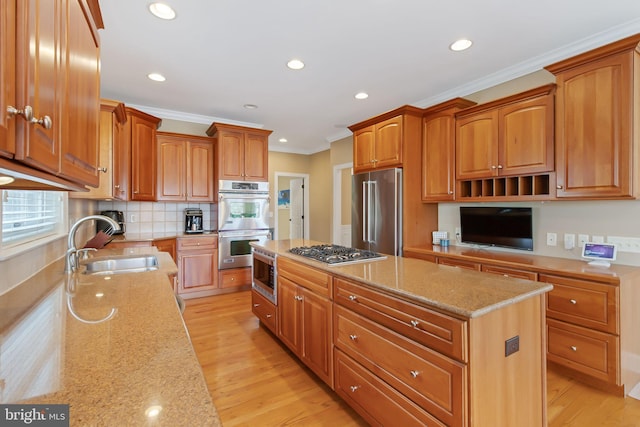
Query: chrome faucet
x=71, y=257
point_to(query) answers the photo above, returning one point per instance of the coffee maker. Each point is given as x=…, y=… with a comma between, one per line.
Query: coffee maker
x=193, y=221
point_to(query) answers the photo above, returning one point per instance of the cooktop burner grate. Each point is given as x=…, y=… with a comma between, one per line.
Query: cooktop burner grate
x=336, y=254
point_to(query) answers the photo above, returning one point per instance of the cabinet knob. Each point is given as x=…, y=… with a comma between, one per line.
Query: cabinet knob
x=493, y=167
x=353, y=337
x=117, y=186
x=298, y=298
x=414, y=374
x=268, y=316
x=574, y=348
x=103, y=170
x=353, y=297
x=27, y=112
x=415, y=323
x=354, y=388
x=499, y=166
x=256, y=305
x=559, y=187
x=572, y=301
x=450, y=192
x=44, y=121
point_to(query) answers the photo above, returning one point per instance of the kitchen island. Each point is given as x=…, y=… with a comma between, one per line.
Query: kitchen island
x=411, y=342
x=61, y=344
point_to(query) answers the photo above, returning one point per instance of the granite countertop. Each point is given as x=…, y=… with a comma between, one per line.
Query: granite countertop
x=454, y=290
x=57, y=349
x=143, y=237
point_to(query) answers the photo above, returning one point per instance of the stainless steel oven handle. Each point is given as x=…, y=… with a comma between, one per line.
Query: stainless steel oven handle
x=254, y=196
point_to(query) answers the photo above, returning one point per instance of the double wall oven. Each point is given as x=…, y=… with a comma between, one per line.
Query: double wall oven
x=243, y=217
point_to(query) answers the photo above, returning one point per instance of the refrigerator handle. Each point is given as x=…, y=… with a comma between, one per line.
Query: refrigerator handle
x=372, y=212
x=364, y=211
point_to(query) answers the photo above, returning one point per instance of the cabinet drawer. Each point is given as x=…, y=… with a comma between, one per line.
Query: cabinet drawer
x=591, y=352
x=435, y=382
x=459, y=263
x=308, y=277
x=209, y=242
x=264, y=310
x=443, y=333
x=588, y=304
x=235, y=277
x=510, y=272
x=376, y=401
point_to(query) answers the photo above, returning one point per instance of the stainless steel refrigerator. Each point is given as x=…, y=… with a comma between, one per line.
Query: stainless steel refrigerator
x=376, y=212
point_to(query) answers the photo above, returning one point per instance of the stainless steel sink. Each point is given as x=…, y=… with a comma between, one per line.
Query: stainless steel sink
x=120, y=264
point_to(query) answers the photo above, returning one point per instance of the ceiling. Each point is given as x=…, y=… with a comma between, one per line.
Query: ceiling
x=218, y=55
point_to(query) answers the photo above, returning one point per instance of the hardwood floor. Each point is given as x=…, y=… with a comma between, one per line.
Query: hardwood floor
x=255, y=381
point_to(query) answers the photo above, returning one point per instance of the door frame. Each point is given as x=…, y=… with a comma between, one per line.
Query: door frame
x=305, y=207
x=337, y=200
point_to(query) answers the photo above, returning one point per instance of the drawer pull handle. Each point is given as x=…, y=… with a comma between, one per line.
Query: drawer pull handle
x=572, y=301
x=353, y=297
x=574, y=348
x=268, y=316
x=353, y=337
x=298, y=298
x=256, y=305
x=354, y=388
x=415, y=323
x=414, y=374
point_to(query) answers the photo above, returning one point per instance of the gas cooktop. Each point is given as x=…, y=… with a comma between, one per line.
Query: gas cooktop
x=335, y=254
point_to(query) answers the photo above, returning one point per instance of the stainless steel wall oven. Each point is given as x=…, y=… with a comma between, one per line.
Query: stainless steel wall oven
x=243, y=217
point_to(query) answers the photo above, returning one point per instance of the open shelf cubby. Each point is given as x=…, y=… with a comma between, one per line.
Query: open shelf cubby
x=516, y=187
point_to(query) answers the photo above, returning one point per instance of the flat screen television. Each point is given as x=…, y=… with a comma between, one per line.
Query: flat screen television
x=497, y=226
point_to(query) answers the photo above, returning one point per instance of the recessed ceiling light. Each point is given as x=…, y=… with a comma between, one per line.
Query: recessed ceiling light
x=156, y=77
x=295, y=64
x=162, y=11
x=361, y=95
x=283, y=140
x=461, y=44
x=250, y=106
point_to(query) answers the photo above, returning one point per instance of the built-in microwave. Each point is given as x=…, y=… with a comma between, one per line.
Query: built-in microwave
x=264, y=274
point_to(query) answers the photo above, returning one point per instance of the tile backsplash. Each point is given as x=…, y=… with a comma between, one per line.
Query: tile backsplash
x=159, y=217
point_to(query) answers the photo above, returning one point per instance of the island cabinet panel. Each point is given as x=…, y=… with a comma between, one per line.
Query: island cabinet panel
x=377, y=402
x=431, y=328
x=435, y=382
x=264, y=310
x=305, y=316
x=597, y=122
x=197, y=265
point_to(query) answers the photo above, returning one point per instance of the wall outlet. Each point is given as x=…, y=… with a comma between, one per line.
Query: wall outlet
x=511, y=345
x=552, y=239
x=582, y=239
x=597, y=239
x=132, y=218
x=458, y=231
x=569, y=241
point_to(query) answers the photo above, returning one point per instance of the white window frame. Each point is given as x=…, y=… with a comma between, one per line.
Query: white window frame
x=9, y=249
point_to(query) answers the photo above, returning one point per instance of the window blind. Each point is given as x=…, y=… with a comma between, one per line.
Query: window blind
x=29, y=215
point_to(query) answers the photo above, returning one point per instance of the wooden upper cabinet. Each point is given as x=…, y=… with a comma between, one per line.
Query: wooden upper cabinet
x=438, y=150
x=185, y=167
x=378, y=146
x=112, y=120
x=381, y=142
x=510, y=136
x=596, y=119
x=38, y=89
x=141, y=130
x=7, y=77
x=80, y=114
x=242, y=154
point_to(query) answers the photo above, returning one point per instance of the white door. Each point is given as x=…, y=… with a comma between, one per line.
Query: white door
x=296, y=209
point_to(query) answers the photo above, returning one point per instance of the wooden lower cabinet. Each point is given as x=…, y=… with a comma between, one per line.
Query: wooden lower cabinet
x=305, y=315
x=305, y=326
x=234, y=278
x=197, y=265
x=459, y=263
x=375, y=400
x=166, y=245
x=264, y=310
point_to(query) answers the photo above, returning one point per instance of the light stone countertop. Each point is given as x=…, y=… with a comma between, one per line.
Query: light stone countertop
x=55, y=349
x=457, y=291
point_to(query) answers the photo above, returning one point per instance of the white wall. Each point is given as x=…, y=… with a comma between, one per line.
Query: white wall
x=602, y=218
